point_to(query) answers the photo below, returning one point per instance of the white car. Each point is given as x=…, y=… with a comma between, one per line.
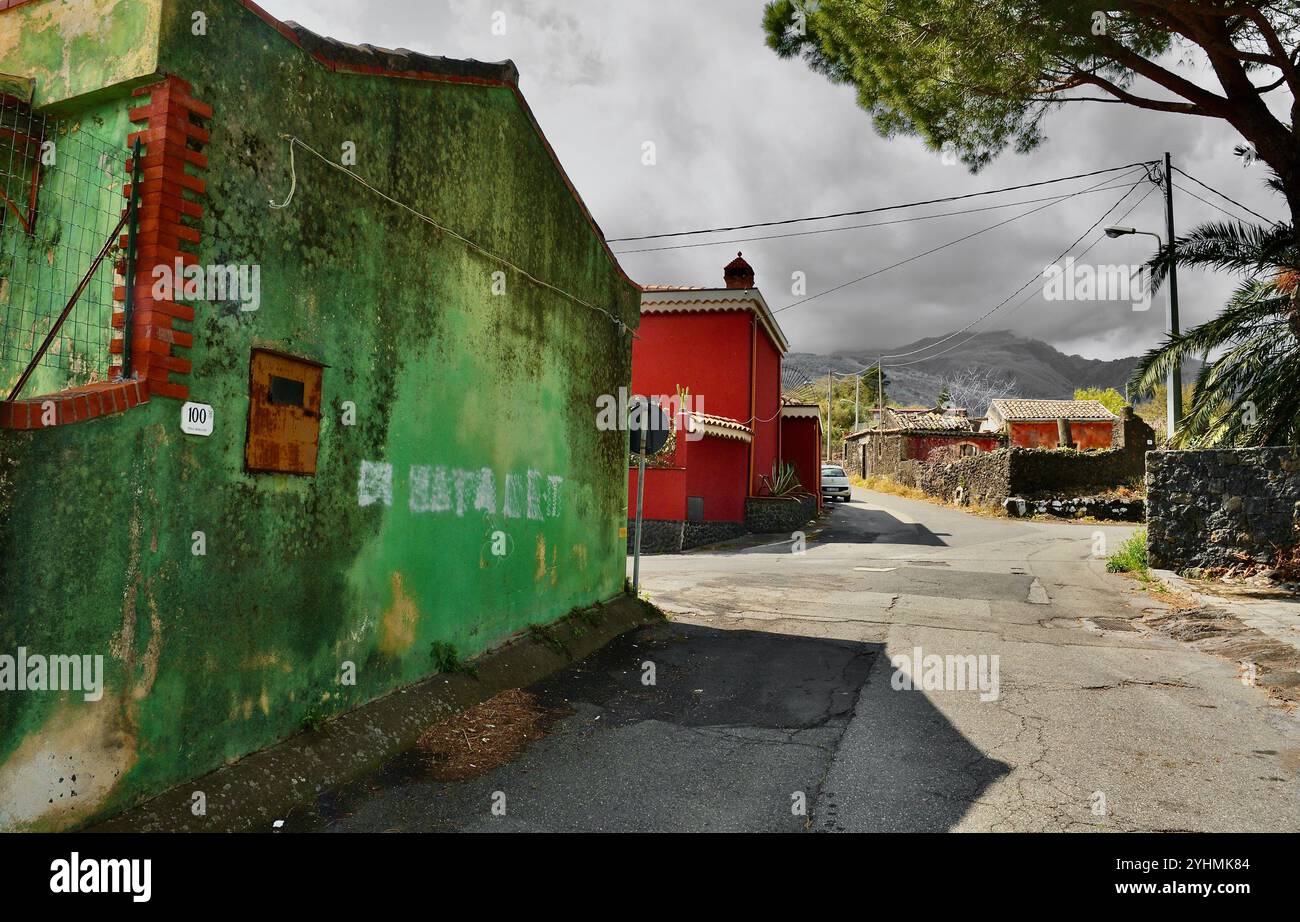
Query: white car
x=835, y=483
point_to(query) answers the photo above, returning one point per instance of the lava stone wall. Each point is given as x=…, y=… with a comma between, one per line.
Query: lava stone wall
x=769, y=515
x=1210, y=508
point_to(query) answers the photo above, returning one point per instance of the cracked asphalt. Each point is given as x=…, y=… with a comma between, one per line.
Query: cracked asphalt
x=772, y=707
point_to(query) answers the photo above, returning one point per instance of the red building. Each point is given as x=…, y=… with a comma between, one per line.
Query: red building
x=915, y=434
x=724, y=347
x=1038, y=423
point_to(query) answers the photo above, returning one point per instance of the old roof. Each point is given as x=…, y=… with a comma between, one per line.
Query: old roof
x=1015, y=409
x=926, y=422
x=918, y=421
x=402, y=60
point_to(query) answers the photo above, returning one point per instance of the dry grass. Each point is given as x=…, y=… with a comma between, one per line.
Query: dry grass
x=479, y=739
x=886, y=485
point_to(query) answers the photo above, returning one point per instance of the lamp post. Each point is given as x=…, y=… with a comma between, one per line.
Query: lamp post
x=1174, y=381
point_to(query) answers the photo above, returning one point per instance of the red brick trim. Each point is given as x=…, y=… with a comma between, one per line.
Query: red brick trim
x=170, y=132
x=76, y=405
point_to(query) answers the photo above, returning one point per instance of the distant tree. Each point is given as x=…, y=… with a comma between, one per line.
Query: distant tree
x=851, y=404
x=1110, y=398
x=974, y=78
x=975, y=388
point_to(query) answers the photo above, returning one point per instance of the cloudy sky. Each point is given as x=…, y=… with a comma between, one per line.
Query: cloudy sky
x=741, y=136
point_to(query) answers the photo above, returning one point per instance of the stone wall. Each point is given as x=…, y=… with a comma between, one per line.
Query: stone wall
x=1054, y=475
x=1110, y=508
x=658, y=536
x=672, y=536
x=982, y=480
x=1208, y=509
x=773, y=514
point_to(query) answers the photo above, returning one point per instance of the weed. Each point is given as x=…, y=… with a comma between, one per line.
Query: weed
x=1131, y=556
x=446, y=658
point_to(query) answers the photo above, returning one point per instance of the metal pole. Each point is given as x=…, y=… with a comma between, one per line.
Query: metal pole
x=857, y=402
x=640, y=495
x=880, y=392
x=128, y=303
x=1174, y=402
x=830, y=399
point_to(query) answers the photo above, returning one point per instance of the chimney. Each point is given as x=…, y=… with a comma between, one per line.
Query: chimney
x=738, y=273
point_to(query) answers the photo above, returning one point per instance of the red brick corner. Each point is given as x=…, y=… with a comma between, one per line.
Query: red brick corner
x=173, y=135
x=75, y=405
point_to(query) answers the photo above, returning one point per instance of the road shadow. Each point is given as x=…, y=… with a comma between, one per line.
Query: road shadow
x=680, y=727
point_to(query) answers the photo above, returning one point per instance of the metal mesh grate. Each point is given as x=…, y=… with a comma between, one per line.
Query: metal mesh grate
x=62, y=197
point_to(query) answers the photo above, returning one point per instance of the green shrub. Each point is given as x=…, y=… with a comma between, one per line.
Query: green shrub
x=1131, y=556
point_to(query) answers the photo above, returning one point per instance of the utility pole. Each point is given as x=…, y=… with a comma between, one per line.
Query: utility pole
x=1174, y=402
x=830, y=398
x=857, y=401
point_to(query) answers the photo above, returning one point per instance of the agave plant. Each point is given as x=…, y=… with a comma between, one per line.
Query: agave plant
x=784, y=481
x=1250, y=393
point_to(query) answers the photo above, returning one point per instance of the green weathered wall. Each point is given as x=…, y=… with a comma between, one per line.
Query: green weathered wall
x=212, y=657
x=79, y=47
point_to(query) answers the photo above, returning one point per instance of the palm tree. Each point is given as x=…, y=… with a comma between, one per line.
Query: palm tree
x=1250, y=393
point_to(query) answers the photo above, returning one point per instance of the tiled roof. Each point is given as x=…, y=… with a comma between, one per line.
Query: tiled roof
x=721, y=426
x=926, y=422
x=917, y=419
x=1014, y=409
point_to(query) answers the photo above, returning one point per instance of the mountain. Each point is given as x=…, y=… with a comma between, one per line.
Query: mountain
x=1039, y=369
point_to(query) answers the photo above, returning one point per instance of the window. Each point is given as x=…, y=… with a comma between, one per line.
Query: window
x=283, y=413
x=695, y=508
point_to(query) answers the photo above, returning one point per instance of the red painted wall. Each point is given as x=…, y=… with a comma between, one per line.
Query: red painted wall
x=801, y=445
x=665, y=493
x=767, y=410
x=707, y=352
x=717, y=357
x=1043, y=435
x=717, y=471
x=920, y=447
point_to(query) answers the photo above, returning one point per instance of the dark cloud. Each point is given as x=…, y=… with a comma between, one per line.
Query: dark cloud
x=741, y=136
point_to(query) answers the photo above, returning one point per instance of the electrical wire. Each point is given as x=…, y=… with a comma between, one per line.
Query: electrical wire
x=863, y=211
x=832, y=230
x=293, y=187
x=1222, y=196
x=942, y=246
x=1024, y=301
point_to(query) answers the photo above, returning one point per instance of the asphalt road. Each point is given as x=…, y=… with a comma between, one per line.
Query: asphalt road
x=773, y=705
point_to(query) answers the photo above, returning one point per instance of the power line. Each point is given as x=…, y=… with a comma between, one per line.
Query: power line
x=1023, y=301
x=943, y=246
x=1206, y=201
x=833, y=230
x=849, y=214
x=1222, y=196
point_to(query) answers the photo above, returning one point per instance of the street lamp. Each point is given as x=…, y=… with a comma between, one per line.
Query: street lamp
x=1174, y=382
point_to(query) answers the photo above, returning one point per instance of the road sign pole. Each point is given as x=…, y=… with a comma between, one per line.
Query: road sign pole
x=640, y=495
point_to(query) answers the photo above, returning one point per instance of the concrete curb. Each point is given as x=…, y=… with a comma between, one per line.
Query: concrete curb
x=1278, y=619
x=249, y=795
